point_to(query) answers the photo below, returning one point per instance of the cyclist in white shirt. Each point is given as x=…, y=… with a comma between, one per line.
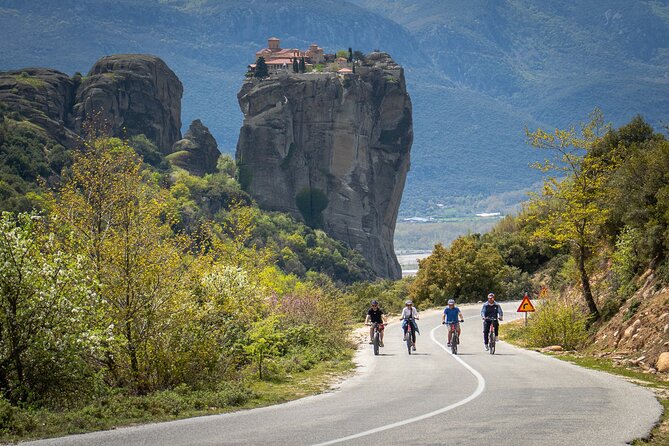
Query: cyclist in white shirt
x=410, y=315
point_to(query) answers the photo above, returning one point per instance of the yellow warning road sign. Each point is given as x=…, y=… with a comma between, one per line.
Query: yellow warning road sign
x=544, y=293
x=525, y=306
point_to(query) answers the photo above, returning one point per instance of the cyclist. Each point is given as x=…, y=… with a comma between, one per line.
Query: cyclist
x=452, y=315
x=375, y=314
x=491, y=313
x=410, y=314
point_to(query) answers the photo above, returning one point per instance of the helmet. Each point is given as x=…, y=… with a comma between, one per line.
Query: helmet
x=451, y=302
x=491, y=295
x=408, y=302
x=374, y=302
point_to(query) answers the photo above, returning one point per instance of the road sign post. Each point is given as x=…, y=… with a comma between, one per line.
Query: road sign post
x=525, y=306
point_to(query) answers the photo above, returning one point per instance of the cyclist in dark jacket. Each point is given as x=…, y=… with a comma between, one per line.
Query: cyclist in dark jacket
x=491, y=313
x=375, y=314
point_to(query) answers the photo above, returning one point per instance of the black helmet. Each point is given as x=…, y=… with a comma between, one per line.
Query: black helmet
x=374, y=302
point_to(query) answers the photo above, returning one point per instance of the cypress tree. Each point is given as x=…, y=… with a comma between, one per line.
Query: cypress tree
x=303, y=65
x=261, y=68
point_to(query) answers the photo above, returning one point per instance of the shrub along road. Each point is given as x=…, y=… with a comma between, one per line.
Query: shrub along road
x=514, y=397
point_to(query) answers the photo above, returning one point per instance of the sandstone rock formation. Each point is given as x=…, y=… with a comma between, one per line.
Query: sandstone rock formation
x=332, y=149
x=137, y=93
x=197, y=152
x=42, y=96
x=662, y=364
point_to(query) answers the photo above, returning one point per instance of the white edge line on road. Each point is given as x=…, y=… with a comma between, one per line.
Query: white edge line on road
x=477, y=392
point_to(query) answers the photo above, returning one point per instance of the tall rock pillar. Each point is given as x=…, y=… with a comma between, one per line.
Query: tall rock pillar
x=333, y=150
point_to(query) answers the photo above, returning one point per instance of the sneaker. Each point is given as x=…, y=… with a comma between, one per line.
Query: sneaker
x=371, y=342
x=404, y=338
x=486, y=347
x=448, y=345
x=413, y=348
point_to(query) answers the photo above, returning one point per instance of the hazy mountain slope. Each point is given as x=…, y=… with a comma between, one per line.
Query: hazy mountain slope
x=526, y=62
x=552, y=58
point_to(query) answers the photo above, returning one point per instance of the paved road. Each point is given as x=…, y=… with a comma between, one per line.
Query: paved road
x=515, y=397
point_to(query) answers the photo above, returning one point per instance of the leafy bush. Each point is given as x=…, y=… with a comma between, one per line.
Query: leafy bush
x=558, y=323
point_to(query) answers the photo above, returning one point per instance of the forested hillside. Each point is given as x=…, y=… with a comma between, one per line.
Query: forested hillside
x=478, y=73
x=595, y=237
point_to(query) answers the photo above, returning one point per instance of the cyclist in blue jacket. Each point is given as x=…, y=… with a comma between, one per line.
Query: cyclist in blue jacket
x=452, y=315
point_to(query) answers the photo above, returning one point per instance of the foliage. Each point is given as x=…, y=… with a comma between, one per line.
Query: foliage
x=120, y=223
x=301, y=249
x=558, y=323
x=570, y=212
x=265, y=340
x=26, y=157
x=44, y=315
x=467, y=271
x=261, y=68
x=148, y=151
x=138, y=299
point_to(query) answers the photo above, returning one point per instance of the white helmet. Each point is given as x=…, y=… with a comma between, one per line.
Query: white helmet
x=451, y=302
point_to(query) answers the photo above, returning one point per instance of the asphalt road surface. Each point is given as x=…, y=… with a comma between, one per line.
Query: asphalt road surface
x=514, y=397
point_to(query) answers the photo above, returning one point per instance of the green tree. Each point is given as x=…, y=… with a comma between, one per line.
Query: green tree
x=120, y=221
x=265, y=341
x=261, y=68
x=44, y=298
x=569, y=211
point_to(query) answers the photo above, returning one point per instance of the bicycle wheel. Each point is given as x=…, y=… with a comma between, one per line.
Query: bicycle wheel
x=491, y=342
x=409, y=341
x=376, y=342
x=454, y=343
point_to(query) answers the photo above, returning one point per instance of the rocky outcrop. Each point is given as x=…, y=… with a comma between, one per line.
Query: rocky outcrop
x=134, y=93
x=137, y=94
x=43, y=97
x=197, y=152
x=332, y=149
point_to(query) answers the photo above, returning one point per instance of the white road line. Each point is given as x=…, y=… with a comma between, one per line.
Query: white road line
x=477, y=392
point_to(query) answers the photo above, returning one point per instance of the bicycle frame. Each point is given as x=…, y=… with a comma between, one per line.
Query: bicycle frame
x=491, y=335
x=455, y=338
x=376, y=339
x=410, y=334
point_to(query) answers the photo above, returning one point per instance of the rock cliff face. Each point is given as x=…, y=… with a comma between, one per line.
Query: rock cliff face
x=332, y=149
x=138, y=94
x=42, y=96
x=197, y=152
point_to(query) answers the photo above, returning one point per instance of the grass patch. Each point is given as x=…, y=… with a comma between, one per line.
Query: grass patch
x=25, y=79
x=182, y=402
x=516, y=333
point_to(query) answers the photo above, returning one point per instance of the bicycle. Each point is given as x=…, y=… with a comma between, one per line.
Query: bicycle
x=376, y=338
x=410, y=335
x=455, y=338
x=491, y=335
